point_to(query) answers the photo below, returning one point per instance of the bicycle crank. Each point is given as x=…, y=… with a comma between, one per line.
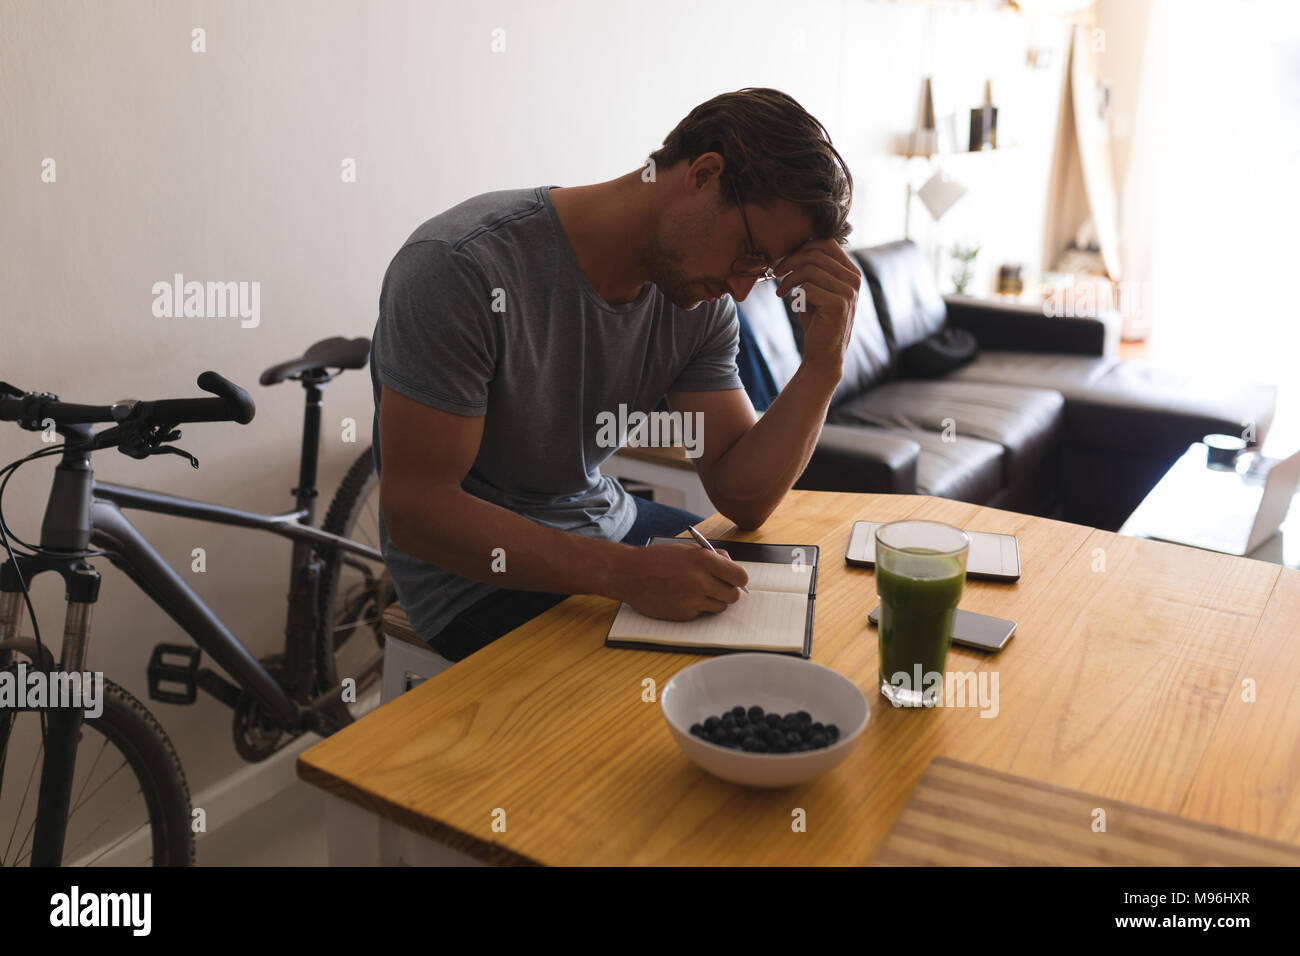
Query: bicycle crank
x=255, y=732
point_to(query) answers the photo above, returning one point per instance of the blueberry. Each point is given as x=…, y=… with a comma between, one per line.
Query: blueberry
x=804, y=716
x=712, y=723
x=790, y=718
x=697, y=730
x=755, y=713
x=792, y=739
x=762, y=748
x=818, y=740
x=737, y=712
x=729, y=721
x=819, y=727
x=773, y=720
x=779, y=746
x=751, y=743
x=832, y=732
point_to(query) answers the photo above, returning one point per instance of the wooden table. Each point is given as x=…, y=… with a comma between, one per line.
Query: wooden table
x=964, y=815
x=1125, y=679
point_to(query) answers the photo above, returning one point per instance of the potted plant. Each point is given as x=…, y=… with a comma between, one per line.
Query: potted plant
x=964, y=270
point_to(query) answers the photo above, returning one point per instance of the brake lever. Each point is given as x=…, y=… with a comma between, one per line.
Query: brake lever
x=149, y=441
x=172, y=449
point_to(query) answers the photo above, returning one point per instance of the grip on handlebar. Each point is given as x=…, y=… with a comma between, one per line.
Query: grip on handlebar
x=241, y=405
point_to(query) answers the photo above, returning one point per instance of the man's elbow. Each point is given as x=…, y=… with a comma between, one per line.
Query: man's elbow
x=747, y=516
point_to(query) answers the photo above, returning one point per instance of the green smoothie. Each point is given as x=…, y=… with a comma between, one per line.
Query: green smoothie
x=919, y=590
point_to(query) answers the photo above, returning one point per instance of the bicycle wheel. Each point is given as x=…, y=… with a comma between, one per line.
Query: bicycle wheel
x=130, y=802
x=354, y=591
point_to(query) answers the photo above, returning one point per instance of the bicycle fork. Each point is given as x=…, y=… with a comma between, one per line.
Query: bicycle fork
x=63, y=723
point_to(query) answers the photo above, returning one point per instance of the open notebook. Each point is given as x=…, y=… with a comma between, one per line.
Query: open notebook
x=776, y=614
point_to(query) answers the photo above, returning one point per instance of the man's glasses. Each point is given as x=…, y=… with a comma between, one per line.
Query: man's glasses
x=751, y=265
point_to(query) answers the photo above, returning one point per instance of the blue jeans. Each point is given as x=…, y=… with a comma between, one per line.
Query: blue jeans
x=501, y=612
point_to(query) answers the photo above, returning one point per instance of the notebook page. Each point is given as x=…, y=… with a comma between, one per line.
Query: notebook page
x=760, y=620
x=778, y=577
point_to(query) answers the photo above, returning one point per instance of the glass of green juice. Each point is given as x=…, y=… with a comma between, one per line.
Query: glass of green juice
x=920, y=570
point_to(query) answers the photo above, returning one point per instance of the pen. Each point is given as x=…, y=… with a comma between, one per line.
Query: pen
x=703, y=542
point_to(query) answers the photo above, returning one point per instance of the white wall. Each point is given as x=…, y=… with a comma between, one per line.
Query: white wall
x=225, y=165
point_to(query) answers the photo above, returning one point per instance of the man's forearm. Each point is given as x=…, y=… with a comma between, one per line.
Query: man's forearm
x=485, y=542
x=757, y=471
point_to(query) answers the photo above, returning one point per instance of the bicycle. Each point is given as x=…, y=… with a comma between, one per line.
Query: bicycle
x=326, y=677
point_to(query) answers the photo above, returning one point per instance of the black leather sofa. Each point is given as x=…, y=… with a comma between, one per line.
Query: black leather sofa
x=1044, y=420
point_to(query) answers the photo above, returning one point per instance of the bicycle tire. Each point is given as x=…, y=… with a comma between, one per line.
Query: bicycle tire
x=346, y=508
x=130, y=727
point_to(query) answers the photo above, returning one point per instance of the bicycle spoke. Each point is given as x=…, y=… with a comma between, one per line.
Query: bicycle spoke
x=101, y=786
x=120, y=840
x=96, y=790
x=89, y=774
x=4, y=748
x=353, y=625
x=18, y=817
x=73, y=809
x=99, y=826
x=372, y=536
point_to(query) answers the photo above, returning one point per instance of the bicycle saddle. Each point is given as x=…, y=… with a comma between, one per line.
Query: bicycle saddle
x=336, y=352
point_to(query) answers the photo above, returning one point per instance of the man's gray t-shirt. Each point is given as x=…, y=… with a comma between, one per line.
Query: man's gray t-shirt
x=485, y=312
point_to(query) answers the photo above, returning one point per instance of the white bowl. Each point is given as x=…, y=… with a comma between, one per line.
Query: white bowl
x=777, y=683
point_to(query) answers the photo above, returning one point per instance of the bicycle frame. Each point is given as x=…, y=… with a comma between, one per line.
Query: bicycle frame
x=132, y=552
x=82, y=511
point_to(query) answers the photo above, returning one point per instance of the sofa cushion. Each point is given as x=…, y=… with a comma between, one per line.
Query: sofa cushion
x=968, y=469
x=1026, y=422
x=902, y=286
x=859, y=458
x=1148, y=409
x=867, y=358
x=939, y=354
x=1068, y=374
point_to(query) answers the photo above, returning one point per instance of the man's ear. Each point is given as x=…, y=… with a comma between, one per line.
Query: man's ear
x=705, y=167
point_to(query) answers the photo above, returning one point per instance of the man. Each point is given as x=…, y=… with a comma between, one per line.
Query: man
x=513, y=324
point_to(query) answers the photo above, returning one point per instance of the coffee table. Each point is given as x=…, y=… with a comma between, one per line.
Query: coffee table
x=1144, y=673
x=1177, y=492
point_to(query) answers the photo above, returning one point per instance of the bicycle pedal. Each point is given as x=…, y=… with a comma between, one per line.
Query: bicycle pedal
x=173, y=672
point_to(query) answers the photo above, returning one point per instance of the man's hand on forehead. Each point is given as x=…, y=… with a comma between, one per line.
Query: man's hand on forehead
x=829, y=282
x=824, y=258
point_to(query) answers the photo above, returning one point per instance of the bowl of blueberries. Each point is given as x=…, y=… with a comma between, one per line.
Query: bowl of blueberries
x=763, y=720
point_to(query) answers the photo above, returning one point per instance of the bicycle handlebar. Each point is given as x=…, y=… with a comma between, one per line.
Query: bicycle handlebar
x=32, y=409
x=232, y=405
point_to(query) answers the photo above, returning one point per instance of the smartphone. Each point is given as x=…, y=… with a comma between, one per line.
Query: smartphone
x=979, y=631
x=995, y=557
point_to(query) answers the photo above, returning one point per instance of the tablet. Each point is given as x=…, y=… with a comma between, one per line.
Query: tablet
x=995, y=557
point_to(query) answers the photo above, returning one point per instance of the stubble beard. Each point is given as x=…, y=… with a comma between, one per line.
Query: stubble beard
x=664, y=265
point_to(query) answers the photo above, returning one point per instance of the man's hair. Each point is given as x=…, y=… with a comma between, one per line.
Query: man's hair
x=774, y=150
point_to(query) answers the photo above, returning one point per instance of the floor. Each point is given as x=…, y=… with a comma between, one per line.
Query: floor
x=286, y=830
